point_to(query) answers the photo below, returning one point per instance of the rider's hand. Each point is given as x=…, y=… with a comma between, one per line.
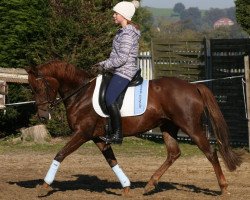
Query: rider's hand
x=97, y=69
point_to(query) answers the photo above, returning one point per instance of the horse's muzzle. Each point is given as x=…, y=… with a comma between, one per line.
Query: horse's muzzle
x=44, y=117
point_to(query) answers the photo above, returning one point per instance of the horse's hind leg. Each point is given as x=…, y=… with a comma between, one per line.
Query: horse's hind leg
x=169, y=135
x=202, y=142
x=110, y=158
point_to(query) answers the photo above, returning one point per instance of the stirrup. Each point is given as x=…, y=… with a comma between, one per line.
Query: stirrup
x=104, y=139
x=111, y=139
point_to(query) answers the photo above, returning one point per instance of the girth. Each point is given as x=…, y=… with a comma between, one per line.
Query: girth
x=137, y=80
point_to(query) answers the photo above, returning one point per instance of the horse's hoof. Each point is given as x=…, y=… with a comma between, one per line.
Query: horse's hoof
x=225, y=192
x=126, y=192
x=149, y=188
x=43, y=190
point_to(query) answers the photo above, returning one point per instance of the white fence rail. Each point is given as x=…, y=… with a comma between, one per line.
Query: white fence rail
x=145, y=63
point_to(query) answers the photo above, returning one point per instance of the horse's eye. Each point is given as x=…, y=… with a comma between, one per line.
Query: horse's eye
x=39, y=90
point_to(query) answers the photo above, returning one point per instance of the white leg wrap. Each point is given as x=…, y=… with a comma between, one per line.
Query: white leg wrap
x=49, y=178
x=121, y=176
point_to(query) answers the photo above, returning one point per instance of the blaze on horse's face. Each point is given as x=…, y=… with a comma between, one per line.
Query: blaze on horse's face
x=45, y=90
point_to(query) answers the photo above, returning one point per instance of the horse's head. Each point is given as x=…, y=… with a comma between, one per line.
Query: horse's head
x=45, y=90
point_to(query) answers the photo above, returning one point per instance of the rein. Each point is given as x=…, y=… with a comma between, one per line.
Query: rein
x=58, y=101
x=54, y=103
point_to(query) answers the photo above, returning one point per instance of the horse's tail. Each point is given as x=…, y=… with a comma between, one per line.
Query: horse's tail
x=220, y=128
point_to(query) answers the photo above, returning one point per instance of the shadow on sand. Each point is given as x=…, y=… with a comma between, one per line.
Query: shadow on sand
x=94, y=184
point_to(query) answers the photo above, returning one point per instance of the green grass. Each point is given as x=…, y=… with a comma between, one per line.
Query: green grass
x=8, y=147
x=131, y=147
x=167, y=12
x=157, y=12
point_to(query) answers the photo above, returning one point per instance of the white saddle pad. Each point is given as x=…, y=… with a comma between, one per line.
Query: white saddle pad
x=134, y=103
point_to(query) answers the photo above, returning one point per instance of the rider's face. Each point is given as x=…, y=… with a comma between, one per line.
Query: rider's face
x=119, y=19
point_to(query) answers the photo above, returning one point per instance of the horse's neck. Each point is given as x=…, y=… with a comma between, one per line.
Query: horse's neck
x=71, y=86
x=68, y=77
x=67, y=87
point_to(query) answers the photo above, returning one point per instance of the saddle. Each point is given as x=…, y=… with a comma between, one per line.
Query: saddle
x=137, y=80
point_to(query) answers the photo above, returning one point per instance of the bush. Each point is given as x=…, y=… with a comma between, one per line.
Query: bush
x=36, y=31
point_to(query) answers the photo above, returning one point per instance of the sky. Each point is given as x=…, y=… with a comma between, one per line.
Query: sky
x=201, y=4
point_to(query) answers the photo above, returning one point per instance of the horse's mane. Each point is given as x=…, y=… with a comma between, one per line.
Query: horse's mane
x=63, y=69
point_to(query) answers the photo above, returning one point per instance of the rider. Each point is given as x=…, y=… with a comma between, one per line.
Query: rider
x=122, y=62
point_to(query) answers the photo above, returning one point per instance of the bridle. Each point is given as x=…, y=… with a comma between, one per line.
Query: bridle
x=47, y=88
x=53, y=103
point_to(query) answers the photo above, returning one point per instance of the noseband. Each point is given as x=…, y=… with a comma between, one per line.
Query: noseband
x=47, y=88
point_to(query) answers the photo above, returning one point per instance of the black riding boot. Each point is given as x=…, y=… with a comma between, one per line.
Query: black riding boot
x=115, y=117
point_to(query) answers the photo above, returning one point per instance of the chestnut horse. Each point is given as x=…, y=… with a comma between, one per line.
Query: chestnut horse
x=173, y=104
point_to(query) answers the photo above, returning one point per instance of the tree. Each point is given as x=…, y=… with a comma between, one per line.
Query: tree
x=243, y=14
x=226, y=32
x=81, y=32
x=144, y=18
x=230, y=12
x=213, y=15
x=179, y=8
x=193, y=17
x=22, y=25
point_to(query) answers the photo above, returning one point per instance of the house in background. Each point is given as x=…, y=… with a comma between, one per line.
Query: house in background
x=223, y=22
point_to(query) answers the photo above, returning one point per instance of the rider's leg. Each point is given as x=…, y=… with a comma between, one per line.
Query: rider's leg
x=115, y=116
x=116, y=86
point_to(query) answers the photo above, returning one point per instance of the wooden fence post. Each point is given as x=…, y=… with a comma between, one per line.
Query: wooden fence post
x=3, y=92
x=247, y=71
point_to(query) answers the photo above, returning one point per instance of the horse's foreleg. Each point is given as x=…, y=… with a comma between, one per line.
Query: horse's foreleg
x=110, y=158
x=173, y=153
x=75, y=142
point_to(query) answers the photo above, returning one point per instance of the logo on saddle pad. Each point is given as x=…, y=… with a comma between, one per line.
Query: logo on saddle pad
x=134, y=102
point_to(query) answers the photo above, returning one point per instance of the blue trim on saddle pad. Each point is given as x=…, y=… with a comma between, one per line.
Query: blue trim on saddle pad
x=140, y=100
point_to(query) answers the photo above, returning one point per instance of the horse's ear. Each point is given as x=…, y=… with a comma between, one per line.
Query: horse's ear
x=27, y=69
x=31, y=70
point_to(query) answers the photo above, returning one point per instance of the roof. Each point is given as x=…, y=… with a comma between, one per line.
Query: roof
x=223, y=22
